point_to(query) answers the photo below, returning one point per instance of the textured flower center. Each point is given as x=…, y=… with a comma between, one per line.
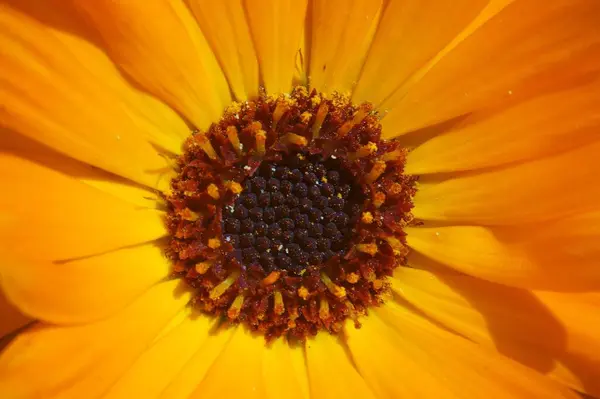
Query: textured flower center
x=293, y=213
x=287, y=215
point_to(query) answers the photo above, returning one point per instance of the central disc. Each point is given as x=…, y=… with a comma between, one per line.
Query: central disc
x=293, y=213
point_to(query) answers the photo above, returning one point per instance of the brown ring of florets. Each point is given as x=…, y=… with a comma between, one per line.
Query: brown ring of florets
x=211, y=174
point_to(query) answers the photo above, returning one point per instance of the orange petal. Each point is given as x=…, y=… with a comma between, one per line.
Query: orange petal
x=550, y=332
x=528, y=257
x=237, y=371
x=23, y=147
x=449, y=364
x=522, y=46
x=83, y=289
x=406, y=39
x=159, y=46
x=539, y=190
x=341, y=33
x=331, y=372
x=277, y=27
x=284, y=371
x=82, y=106
x=11, y=318
x=85, y=361
x=73, y=219
x=226, y=30
x=156, y=368
x=539, y=127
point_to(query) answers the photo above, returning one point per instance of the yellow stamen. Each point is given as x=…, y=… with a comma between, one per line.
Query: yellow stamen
x=335, y=289
x=364, y=151
x=293, y=315
x=206, y=146
x=292, y=138
x=371, y=276
x=261, y=138
x=234, y=310
x=370, y=249
x=214, y=243
x=351, y=311
x=378, y=199
x=303, y=292
x=305, y=117
x=352, y=278
x=280, y=109
x=234, y=187
x=367, y=218
x=213, y=191
x=324, y=309
x=234, y=139
x=397, y=246
x=278, y=306
x=319, y=119
x=202, y=267
x=271, y=278
x=224, y=285
x=392, y=155
x=376, y=171
x=189, y=215
x=356, y=119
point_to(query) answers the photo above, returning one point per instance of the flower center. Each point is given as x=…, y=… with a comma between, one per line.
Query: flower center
x=293, y=213
x=287, y=215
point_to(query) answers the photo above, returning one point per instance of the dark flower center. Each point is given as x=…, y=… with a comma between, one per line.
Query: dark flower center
x=293, y=213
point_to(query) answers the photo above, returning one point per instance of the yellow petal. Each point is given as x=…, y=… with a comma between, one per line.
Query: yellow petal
x=237, y=371
x=409, y=34
x=457, y=366
x=226, y=30
x=283, y=379
x=61, y=90
x=543, y=256
x=49, y=216
x=194, y=371
x=156, y=368
x=331, y=372
x=548, y=188
x=523, y=44
x=553, y=333
x=85, y=361
x=341, y=33
x=547, y=124
x=83, y=289
x=11, y=318
x=159, y=46
x=277, y=27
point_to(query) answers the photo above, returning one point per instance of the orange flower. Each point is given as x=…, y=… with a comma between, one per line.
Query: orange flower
x=498, y=102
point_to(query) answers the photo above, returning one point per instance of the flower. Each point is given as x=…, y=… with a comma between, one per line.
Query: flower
x=497, y=103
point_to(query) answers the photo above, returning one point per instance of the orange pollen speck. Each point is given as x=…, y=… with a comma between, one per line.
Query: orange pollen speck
x=367, y=217
x=213, y=191
x=303, y=292
x=378, y=199
x=234, y=187
x=352, y=278
x=202, y=267
x=214, y=243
